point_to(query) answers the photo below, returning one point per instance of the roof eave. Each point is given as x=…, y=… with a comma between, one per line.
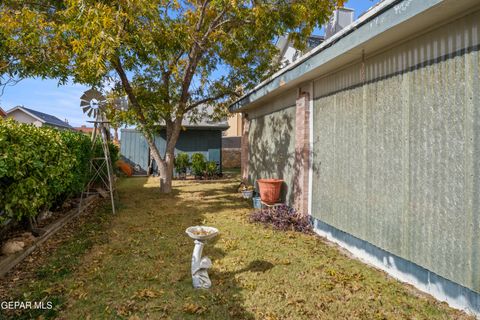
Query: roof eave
x=347, y=45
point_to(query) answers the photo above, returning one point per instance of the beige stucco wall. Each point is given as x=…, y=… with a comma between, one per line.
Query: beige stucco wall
x=396, y=150
x=272, y=142
x=235, y=126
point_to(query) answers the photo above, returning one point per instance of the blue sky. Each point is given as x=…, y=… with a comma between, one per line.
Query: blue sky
x=64, y=101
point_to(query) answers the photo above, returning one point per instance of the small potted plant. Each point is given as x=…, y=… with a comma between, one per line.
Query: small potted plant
x=246, y=190
x=270, y=190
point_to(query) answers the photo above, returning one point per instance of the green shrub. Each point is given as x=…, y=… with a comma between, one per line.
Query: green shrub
x=79, y=146
x=198, y=164
x=211, y=168
x=39, y=167
x=182, y=163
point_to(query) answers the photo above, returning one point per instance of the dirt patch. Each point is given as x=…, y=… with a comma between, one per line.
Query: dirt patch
x=26, y=271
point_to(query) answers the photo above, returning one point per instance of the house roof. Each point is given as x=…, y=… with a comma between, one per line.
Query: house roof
x=42, y=117
x=222, y=125
x=385, y=24
x=202, y=120
x=314, y=41
x=84, y=129
x=205, y=124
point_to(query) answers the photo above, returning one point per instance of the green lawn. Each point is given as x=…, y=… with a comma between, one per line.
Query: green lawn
x=136, y=265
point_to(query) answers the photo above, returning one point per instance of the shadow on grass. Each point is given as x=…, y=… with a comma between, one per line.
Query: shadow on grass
x=224, y=300
x=144, y=270
x=136, y=265
x=140, y=266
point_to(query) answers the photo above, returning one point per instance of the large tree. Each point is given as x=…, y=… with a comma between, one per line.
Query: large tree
x=169, y=57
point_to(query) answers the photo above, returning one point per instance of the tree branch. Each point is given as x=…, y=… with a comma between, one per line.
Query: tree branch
x=207, y=100
x=202, y=15
x=117, y=64
x=194, y=58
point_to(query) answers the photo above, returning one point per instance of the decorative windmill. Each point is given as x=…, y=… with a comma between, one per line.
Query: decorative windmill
x=93, y=104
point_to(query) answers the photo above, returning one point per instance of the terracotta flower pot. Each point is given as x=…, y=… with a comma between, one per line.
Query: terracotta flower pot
x=270, y=190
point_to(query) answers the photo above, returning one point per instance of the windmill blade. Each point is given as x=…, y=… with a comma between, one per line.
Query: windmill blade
x=92, y=102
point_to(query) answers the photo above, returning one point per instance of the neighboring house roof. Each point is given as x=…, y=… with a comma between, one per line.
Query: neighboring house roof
x=386, y=23
x=289, y=54
x=3, y=114
x=205, y=124
x=314, y=41
x=202, y=120
x=42, y=117
x=231, y=142
x=84, y=129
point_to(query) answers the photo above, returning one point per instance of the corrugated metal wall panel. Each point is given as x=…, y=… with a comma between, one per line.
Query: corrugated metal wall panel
x=134, y=150
x=384, y=175
x=396, y=155
x=349, y=168
x=473, y=183
x=324, y=162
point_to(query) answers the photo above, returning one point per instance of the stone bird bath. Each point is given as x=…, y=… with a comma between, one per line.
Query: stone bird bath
x=200, y=265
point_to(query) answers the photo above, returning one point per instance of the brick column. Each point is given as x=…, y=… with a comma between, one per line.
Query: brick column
x=244, y=155
x=302, y=153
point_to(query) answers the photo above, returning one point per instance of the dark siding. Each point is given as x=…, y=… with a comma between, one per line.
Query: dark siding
x=134, y=148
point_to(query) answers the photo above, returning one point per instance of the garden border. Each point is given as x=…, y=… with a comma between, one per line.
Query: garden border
x=7, y=263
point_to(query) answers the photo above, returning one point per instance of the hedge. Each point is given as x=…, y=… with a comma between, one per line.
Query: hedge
x=40, y=167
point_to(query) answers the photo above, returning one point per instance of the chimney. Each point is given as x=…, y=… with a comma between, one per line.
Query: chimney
x=340, y=18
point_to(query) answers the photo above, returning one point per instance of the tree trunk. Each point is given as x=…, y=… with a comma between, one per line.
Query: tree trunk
x=165, y=165
x=166, y=173
x=173, y=132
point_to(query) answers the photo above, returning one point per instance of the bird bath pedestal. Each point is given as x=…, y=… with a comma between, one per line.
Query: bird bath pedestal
x=200, y=265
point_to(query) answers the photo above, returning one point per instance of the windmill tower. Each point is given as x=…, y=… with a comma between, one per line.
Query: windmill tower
x=93, y=104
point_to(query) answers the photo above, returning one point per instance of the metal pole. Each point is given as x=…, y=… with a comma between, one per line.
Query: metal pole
x=106, y=151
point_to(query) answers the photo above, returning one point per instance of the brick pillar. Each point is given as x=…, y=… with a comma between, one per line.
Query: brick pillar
x=302, y=153
x=244, y=155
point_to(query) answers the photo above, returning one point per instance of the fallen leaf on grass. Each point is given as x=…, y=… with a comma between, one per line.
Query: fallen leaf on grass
x=147, y=293
x=270, y=316
x=192, y=308
x=285, y=262
x=295, y=301
x=126, y=308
